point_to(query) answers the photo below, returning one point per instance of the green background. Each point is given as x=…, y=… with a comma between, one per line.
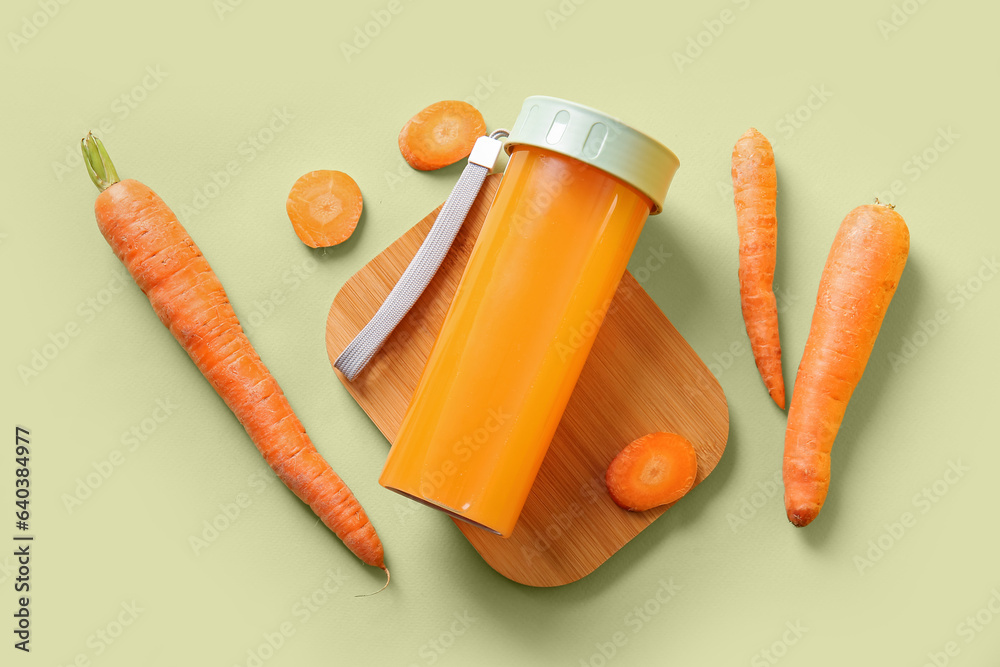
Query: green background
x=743, y=574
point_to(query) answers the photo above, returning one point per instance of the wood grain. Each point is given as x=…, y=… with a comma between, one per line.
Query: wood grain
x=641, y=376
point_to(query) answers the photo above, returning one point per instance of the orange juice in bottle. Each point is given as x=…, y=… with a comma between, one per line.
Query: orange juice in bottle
x=575, y=194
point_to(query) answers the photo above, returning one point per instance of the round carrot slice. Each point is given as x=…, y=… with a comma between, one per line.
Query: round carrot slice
x=441, y=134
x=324, y=207
x=654, y=470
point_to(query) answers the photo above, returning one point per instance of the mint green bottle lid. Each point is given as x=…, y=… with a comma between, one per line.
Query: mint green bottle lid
x=599, y=140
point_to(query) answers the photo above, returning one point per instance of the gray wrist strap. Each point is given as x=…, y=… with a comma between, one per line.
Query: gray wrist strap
x=426, y=262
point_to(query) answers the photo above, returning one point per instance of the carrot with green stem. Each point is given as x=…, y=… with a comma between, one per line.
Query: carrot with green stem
x=859, y=280
x=191, y=302
x=755, y=188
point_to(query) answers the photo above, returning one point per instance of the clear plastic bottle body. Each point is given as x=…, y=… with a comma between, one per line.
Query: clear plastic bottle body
x=540, y=279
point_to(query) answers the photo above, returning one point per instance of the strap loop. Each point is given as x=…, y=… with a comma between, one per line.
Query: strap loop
x=426, y=262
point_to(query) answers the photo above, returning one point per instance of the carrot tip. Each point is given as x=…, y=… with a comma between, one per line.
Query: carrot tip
x=801, y=516
x=387, y=577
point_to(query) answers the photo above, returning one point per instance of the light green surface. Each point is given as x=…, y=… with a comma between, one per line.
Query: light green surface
x=877, y=101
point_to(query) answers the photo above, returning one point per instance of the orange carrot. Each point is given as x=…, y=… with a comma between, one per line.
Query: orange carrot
x=190, y=301
x=324, y=207
x=654, y=470
x=755, y=191
x=861, y=274
x=441, y=134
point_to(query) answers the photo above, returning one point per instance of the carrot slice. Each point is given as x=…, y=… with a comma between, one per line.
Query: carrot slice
x=441, y=134
x=654, y=470
x=324, y=207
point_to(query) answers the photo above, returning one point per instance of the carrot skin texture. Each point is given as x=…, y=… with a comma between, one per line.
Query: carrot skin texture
x=859, y=280
x=190, y=301
x=755, y=195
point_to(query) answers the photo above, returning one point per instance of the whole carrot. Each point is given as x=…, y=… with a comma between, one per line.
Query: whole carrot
x=190, y=301
x=860, y=277
x=755, y=191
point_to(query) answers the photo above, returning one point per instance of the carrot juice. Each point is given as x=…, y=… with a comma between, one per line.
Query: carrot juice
x=540, y=279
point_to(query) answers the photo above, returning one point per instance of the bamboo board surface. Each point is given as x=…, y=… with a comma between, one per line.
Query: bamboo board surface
x=641, y=376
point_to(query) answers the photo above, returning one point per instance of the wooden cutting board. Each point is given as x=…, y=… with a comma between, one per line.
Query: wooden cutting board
x=641, y=377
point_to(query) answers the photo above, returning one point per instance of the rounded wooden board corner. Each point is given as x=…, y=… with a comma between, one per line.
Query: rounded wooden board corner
x=641, y=376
